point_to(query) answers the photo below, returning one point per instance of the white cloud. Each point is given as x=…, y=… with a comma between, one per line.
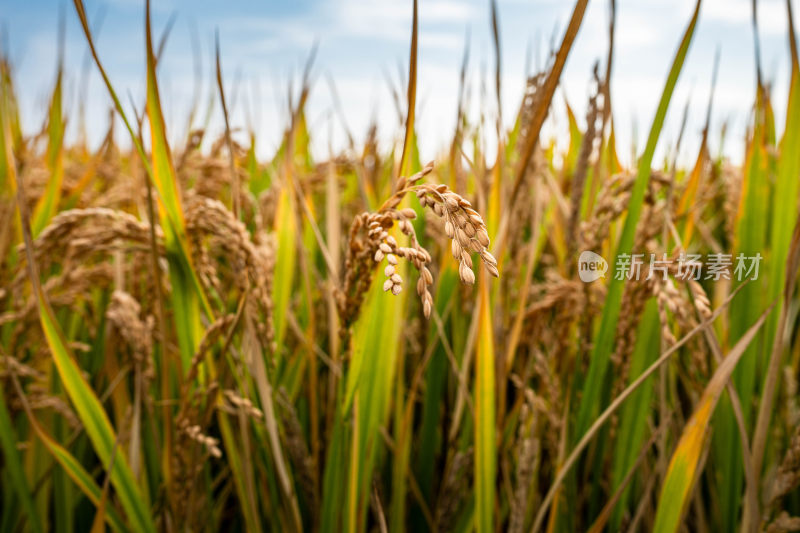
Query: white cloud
x=360, y=41
x=389, y=19
x=441, y=40
x=772, y=18
x=639, y=30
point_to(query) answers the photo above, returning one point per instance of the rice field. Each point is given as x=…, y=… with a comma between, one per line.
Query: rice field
x=194, y=338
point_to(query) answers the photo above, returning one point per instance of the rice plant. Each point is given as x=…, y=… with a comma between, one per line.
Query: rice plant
x=193, y=338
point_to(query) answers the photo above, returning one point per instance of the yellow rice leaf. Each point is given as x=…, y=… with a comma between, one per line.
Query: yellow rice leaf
x=682, y=472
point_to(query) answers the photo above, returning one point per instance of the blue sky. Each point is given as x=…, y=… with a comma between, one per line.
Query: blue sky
x=363, y=43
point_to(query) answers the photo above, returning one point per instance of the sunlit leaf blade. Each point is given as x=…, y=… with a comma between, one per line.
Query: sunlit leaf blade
x=188, y=294
x=750, y=240
x=604, y=341
x=485, y=448
x=411, y=100
x=375, y=349
x=90, y=411
x=166, y=185
x=47, y=206
x=87, y=405
x=682, y=472
x=80, y=477
x=787, y=166
x=8, y=186
x=286, y=226
x=784, y=208
x=94, y=419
